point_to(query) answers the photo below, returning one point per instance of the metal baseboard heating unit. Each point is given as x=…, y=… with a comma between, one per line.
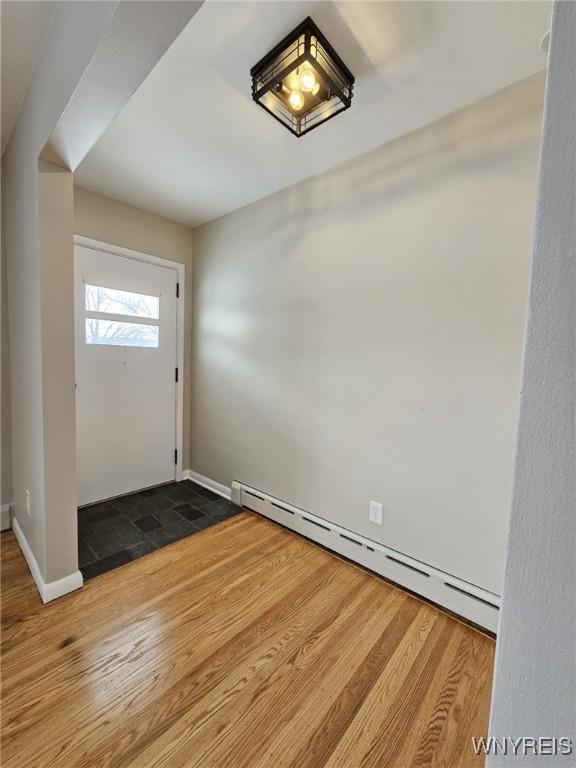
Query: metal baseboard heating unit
x=460, y=597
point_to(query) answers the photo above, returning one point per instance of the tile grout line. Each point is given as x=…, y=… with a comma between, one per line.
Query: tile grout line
x=101, y=521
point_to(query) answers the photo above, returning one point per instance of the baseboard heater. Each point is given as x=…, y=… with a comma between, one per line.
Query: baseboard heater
x=472, y=603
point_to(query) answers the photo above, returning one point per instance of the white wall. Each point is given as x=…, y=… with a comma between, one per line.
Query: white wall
x=74, y=35
x=94, y=57
x=358, y=336
x=534, y=690
x=55, y=231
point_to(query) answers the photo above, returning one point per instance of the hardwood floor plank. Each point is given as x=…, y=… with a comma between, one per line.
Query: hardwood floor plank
x=380, y=716
x=142, y=636
x=261, y=644
x=428, y=725
x=242, y=645
x=160, y=665
x=285, y=690
x=181, y=562
x=178, y=604
x=462, y=721
x=389, y=741
x=325, y=732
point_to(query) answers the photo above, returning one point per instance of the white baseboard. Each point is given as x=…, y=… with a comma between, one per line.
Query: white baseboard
x=448, y=591
x=48, y=590
x=5, y=522
x=205, y=482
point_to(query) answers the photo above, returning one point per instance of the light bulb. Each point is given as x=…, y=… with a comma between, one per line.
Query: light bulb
x=315, y=89
x=296, y=100
x=307, y=80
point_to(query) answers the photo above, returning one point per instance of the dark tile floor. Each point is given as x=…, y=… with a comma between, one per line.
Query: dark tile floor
x=115, y=532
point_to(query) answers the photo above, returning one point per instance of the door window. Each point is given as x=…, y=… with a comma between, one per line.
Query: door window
x=135, y=322
x=120, y=334
x=116, y=302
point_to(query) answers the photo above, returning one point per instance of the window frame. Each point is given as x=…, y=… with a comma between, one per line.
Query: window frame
x=150, y=319
x=119, y=317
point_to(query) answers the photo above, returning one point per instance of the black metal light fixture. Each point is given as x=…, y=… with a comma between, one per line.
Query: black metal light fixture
x=302, y=82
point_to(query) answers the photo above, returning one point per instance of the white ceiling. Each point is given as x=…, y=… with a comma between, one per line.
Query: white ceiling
x=24, y=25
x=192, y=145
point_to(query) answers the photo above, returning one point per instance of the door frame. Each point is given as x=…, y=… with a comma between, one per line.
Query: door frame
x=180, y=269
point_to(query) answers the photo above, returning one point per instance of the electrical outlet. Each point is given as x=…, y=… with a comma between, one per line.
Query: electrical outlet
x=375, y=514
x=28, y=502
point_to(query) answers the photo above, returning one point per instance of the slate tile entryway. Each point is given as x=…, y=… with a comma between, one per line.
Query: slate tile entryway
x=115, y=532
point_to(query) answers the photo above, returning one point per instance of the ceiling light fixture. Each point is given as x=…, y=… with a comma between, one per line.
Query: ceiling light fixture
x=302, y=82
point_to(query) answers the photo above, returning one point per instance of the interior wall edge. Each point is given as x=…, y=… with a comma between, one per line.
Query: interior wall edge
x=534, y=688
x=48, y=590
x=5, y=516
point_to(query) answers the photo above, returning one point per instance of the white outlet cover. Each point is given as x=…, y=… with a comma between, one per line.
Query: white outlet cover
x=375, y=514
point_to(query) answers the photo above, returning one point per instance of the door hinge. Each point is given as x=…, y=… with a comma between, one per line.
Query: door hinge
x=175, y=456
x=176, y=374
x=177, y=290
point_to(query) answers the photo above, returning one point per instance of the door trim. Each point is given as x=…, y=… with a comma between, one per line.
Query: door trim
x=117, y=250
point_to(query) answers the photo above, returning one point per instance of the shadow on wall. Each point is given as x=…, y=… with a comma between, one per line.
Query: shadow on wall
x=456, y=144
x=359, y=335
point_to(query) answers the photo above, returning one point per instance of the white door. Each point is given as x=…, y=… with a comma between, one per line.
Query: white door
x=126, y=358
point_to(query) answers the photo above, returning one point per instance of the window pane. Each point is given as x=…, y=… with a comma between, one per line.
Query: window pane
x=118, y=334
x=99, y=299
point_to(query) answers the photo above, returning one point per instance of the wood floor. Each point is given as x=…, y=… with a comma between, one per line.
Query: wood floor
x=243, y=646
